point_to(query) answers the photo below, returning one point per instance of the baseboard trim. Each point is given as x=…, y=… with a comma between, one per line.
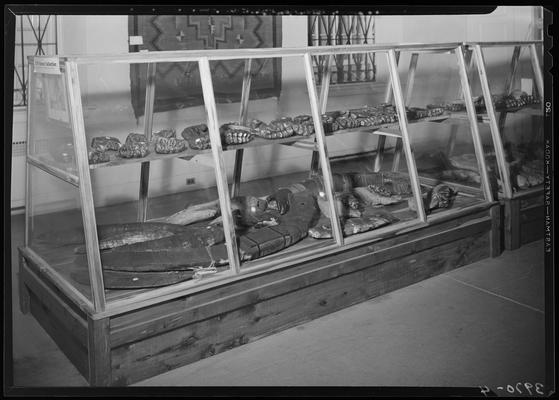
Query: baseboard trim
x=17, y=210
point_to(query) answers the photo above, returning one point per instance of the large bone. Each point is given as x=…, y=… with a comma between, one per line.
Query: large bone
x=188, y=216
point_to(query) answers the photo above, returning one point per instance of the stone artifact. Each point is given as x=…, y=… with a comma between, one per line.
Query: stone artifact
x=98, y=157
x=441, y=196
x=171, y=145
x=135, y=146
x=104, y=143
x=197, y=136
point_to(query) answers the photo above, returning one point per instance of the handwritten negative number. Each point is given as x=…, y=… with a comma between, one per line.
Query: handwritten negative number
x=517, y=388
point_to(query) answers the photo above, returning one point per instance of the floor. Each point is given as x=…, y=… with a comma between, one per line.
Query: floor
x=479, y=325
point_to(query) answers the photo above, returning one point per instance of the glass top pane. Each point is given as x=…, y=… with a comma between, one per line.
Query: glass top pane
x=50, y=131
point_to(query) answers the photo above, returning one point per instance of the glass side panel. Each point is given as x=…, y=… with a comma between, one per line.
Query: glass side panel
x=50, y=131
x=443, y=147
x=363, y=133
x=519, y=114
x=55, y=228
x=179, y=207
x=275, y=203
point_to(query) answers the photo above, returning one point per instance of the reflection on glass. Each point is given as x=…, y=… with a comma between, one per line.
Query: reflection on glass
x=50, y=139
x=444, y=148
x=516, y=98
x=56, y=231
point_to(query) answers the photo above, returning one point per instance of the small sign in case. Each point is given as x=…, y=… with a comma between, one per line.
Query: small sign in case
x=46, y=65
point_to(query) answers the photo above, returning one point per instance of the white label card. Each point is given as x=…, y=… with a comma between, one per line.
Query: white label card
x=136, y=40
x=46, y=65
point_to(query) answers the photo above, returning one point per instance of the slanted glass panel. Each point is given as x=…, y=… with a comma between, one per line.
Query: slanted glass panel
x=443, y=147
x=50, y=132
x=56, y=230
x=519, y=114
x=362, y=136
x=156, y=208
x=274, y=201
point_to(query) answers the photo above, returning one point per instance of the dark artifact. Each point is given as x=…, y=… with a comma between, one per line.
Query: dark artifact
x=98, y=157
x=279, y=128
x=507, y=102
x=197, y=136
x=250, y=211
x=303, y=125
x=186, y=238
x=115, y=235
x=329, y=121
x=104, y=143
x=135, y=146
x=291, y=228
x=351, y=226
x=441, y=196
x=161, y=248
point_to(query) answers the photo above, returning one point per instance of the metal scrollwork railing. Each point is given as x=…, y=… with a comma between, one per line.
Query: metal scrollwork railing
x=35, y=35
x=326, y=30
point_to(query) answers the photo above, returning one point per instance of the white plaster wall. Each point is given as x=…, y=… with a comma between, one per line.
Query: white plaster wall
x=109, y=34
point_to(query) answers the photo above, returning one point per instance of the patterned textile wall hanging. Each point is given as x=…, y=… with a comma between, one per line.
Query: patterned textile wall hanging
x=178, y=84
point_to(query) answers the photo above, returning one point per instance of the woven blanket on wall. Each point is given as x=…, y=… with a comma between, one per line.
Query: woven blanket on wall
x=178, y=84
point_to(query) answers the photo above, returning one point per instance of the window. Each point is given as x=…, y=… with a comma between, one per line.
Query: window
x=339, y=30
x=35, y=35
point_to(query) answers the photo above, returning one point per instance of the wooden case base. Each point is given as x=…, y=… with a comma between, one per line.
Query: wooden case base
x=523, y=218
x=123, y=348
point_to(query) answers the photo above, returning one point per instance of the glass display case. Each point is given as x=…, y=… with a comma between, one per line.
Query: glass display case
x=508, y=94
x=271, y=229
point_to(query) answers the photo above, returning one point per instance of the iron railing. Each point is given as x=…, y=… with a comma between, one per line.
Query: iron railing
x=35, y=35
x=341, y=30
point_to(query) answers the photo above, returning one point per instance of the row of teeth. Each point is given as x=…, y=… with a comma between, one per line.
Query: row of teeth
x=237, y=136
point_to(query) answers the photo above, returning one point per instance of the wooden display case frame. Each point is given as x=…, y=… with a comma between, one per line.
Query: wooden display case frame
x=523, y=212
x=149, y=332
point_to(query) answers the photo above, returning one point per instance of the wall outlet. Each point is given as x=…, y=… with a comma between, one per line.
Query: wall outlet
x=190, y=181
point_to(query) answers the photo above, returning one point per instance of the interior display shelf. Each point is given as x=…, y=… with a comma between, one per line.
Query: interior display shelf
x=532, y=109
x=307, y=142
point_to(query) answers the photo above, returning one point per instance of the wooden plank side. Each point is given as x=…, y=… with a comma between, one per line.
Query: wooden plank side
x=177, y=347
x=155, y=322
x=512, y=224
x=99, y=352
x=71, y=320
x=58, y=284
x=534, y=200
x=248, y=283
x=496, y=242
x=532, y=224
x=23, y=296
x=23, y=291
x=531, y=232
x=57, y=328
